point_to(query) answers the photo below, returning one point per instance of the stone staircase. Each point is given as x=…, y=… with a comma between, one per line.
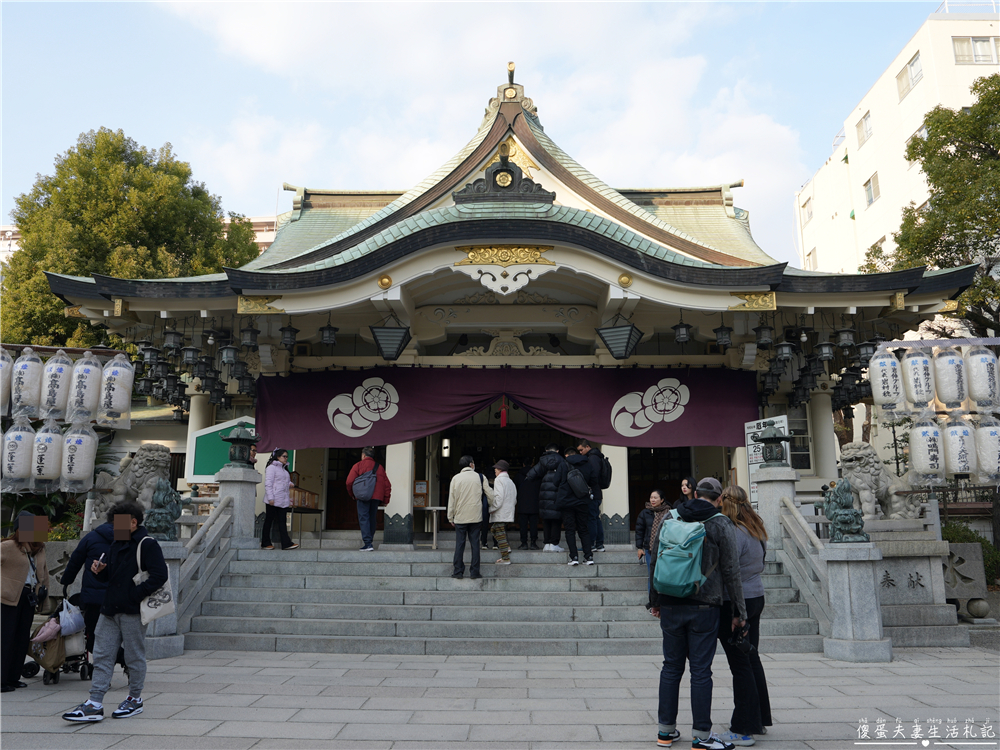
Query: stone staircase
x=330, y=597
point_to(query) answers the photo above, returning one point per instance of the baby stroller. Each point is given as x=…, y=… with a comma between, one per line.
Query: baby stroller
x=63, y=653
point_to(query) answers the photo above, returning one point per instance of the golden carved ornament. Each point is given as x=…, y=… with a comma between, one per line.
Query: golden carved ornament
x=516, y=155
x=73, y=311
x=897, y=301
x=257, y=305
x=625, y=280
x=121, y=307
x=755, y=301
x=504, y=179
x=504, y=255
x=384, y=281
x=949, y=305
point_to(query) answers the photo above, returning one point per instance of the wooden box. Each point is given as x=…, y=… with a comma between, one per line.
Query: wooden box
x=420, y=501
x=304, y=498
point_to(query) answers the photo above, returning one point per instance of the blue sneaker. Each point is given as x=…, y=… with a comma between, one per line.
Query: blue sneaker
x=737, y=739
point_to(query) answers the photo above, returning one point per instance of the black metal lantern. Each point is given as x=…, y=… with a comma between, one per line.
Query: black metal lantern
x=784, y=351
x=145, y=387
x=824, y=350
x=215, y=396
x=620, y=340
x=815, y=366
x=723, y=336
x=139, y=366
x=178, y=414
x=866, y=350
x=771, y=381
x=173, y=340
x=245, y=384
x=238, y=369
x=160, y=370
x=328, y=334
x=150, y=354
x=248, y=337
x=158, y=391
x=209, y=380
x=189, y=355
x=288, y=334
x=847, y=413
x=807, y=380
x=391, y=340
x=229, y=353
x=801, y=394
x=765, y=336
x=170, y=382
x=202, y=366
x=845, y=338
x=240, y=439
x=682, y=332
x=864, y=390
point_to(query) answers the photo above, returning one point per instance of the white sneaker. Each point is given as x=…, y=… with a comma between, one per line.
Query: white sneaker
x=573, y=562
x=557, y=548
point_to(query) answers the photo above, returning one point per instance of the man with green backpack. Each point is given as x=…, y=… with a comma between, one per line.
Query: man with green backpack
x=695, y=553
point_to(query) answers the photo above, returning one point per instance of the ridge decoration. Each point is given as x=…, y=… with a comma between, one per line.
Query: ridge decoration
x=504, y=255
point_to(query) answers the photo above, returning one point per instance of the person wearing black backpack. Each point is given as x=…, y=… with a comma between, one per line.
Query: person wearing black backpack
x=573, y=501
x=596, y=462
x=369, y=486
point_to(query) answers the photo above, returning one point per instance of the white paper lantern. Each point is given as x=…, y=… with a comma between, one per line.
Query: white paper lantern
x=85, y=390
x=926, y=451
x=56, y=378
x=918, y=377
x=981, y=367
x=6, y=367
x=17, y=446
x=115, y=407
x=886, y=382
x=950, y=377
x=79, y=454
x=959, y=447
x=988, y=449
x=46, y=459
x=26, y=385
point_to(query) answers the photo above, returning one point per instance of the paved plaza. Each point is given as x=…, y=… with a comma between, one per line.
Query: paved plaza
x=236, y=700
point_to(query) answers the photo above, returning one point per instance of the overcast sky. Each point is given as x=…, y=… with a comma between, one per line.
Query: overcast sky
x=376, y=96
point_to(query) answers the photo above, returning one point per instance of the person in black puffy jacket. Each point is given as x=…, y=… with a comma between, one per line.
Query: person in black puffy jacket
x=551, y=469
x=527, y=506
x=91, y=547
x=643, y=528
x=576, y=510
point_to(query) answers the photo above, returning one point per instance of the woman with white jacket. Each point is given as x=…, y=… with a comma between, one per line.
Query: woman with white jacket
x=502, y=509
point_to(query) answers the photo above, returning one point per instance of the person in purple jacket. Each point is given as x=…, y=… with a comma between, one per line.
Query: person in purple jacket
x=277, y=499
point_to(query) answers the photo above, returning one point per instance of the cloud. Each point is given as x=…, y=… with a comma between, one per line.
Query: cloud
x=380, y=95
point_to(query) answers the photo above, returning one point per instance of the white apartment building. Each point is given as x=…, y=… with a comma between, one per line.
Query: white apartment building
x=856, y=198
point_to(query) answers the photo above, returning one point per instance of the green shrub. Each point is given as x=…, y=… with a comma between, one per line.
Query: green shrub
x=959, y=532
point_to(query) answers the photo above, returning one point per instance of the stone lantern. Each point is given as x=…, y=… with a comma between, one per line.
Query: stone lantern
x=239, y=440
x=773, y=452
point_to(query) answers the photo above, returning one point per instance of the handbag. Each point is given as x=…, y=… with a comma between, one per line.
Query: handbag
x=70, y=618
x=161, y=601
x=49, y=654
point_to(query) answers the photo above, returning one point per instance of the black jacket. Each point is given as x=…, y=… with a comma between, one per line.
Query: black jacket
x=643, y=525
x=720, y=549
x=551, y=469
x=566, y=499
x=91, y=547
x=527, y=492
x=123, y=596
x=596, y=461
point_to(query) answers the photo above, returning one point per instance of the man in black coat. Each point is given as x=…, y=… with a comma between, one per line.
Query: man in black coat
x=91, y=547
x=595, y=460
x=527, y=506
x=575, y=507
x=551, y=471
x=120, y=623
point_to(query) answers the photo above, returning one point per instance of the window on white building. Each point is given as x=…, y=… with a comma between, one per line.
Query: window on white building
x=972, y=50
x=864, y=127
x=811, y=260
x=807, y=211
x=871, y=189
x=909, y=76
x=922, y=135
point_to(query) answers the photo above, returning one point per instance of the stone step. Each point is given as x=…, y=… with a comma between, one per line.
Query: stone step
x=428, y=583
x=780, y=595
x=469, y=646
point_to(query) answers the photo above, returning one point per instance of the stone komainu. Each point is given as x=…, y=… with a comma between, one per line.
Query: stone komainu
x=876, y=491
x=137, y=480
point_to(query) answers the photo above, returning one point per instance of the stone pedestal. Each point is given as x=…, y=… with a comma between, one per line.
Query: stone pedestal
x=162, y=638
x=856, y=633
x=614, y=506
x=772, y=485
x=241, y=484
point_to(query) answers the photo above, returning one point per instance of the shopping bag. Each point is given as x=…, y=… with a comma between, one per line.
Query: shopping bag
x=70, y=618
x=50, y=654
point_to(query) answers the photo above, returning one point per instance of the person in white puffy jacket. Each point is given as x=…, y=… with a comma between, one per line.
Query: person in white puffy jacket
x=502, y=509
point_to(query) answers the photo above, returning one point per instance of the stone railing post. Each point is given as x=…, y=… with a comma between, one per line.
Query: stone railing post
x=240, y=483
x=162, y=638
x=772, y=485
x=856, y=633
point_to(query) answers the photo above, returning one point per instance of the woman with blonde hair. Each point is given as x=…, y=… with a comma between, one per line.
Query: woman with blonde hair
x=752, y=706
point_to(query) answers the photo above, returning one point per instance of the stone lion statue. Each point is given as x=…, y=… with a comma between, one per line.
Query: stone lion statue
x=876, y=491
x=137, y=480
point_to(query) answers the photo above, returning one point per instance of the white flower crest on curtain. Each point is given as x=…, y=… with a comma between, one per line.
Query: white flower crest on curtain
x=636, y=412
x=353, y=414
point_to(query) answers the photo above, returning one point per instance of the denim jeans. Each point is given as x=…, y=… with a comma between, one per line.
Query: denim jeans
x=368, y=519
x=688, y=633
x=751, y=703
x=463, y=531
x=594, y=526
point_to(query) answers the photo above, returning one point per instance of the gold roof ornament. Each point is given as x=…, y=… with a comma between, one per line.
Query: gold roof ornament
x=515, y=154
x=755, y=301
x=510, y=72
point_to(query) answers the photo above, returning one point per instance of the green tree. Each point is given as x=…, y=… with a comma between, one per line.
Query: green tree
x=117, y=208
x=960, y=223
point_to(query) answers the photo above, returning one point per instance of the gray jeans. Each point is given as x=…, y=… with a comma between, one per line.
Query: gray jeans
x=112, y=632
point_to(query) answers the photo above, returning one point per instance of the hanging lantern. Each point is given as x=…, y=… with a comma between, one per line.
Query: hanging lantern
x=918, y=377
x=988, y=449
x=621, y=340
x=26, y=384
x=150, y=354
x=46, y=459
x=229, y=354
x=238, y=370
x=682, y=332
x=765, y=336
x=170, y=382
x=201, y=367
x=328, y=335
x=784, y=351
x=824, y=351
x=189, y=355
x=814, y=366
x=847, y=413
x=391, y=340
x=248, y=337
x=245, y=385
x=209, y=380
x=288, y=334
x=887, y=385
x=139, y=366
x=215, y=396
x=837, y=400
x=866, y=350
x=178, y=414
x=160, y=370
x=864, y=390
x=142, y=344
x=845, y=338
x=173, y=340
x=115, y=407
x=56, y=380
x=959, y=447
x=6, y=367
x=18, y=443
x=78, y=456
x=145, y=387
x=85, y=389
x=950, y=377
x=158, y=390
x=772, y=381
x=807, y=380
x=981, y=366
x=723, y=336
